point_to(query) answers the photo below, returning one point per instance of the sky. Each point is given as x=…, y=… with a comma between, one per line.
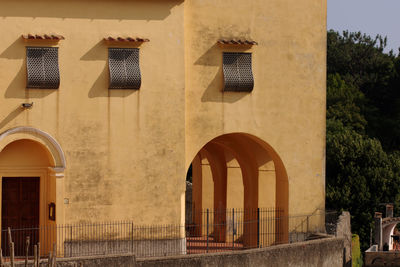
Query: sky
x=368, y=16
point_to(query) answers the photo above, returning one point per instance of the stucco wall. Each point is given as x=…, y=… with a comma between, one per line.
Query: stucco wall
x=124, y=160
x=127, y=151
x=286, y=109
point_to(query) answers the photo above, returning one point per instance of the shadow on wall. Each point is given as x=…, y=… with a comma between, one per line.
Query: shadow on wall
x=214, y=91
x=10, y=116
x=15, y=51
x=17, y=87
x=90, y=9
x=99, y=52
x=100, y=87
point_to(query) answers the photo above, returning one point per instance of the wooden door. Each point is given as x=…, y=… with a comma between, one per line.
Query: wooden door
x=20, y=211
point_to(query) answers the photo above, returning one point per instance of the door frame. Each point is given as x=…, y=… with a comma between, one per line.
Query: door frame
x=43, y=175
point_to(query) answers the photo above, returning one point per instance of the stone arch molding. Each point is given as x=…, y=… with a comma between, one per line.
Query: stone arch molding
x=25, y=132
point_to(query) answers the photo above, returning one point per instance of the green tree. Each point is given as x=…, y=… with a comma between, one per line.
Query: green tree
x=363, y=128
x=344, y=103
x=360, y=60
x=360, y=176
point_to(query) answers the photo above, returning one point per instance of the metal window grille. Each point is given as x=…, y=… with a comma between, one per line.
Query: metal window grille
x=42, y=67
x=123, y=64
x=238, y=74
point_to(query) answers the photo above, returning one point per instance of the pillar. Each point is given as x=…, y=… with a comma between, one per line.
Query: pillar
x=378, y=230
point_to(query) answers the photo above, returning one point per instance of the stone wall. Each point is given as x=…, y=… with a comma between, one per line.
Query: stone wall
x=127, y=260
x=140, y=248
x=343, y=229
x=318, y=253
x=375, y=258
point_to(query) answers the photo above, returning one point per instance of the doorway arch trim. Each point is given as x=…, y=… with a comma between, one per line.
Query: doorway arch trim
x=26, y=132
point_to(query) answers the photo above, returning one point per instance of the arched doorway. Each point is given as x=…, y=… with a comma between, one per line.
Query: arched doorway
x=241, y=172
x=31, y=163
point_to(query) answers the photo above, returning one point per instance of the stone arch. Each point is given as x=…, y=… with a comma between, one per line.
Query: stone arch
x=251, y=154
x=25, y=132
x=282, y=199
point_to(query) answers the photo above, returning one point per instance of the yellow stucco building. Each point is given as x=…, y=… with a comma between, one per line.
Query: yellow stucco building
x=128, y=94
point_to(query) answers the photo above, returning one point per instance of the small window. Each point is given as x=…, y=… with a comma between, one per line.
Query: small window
x=42, y=67
x=123, y=64
x=238, y=74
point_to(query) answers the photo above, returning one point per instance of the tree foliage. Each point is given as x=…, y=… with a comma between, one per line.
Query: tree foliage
x=363, y=128
x=360, y=60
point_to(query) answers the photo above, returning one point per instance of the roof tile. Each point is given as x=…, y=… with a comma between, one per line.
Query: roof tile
x=236, y=42
x=126, y=39
x=52, y=37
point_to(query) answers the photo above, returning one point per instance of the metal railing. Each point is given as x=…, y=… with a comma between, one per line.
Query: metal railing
x=215, y=231
x=233, y=229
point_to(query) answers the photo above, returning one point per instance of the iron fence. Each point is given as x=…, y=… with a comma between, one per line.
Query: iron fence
x=211, y=231
x=232, y=229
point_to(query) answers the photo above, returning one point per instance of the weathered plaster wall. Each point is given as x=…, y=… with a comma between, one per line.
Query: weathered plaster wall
x=287, y=106
x=124, y=160
x=127, y=151
x=234, y=185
